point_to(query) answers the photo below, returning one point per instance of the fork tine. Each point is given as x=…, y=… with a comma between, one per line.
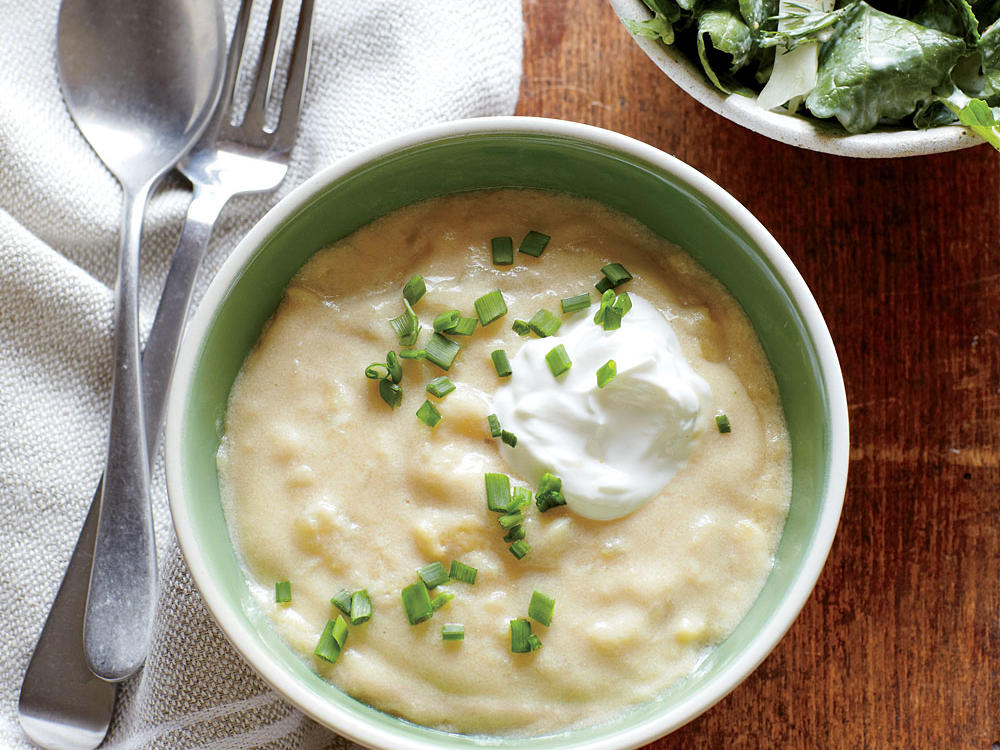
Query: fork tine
x=298, y=70
x=236, y=45
x=257, y=108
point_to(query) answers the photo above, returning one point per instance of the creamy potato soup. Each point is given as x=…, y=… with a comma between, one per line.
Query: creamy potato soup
x=328, y=487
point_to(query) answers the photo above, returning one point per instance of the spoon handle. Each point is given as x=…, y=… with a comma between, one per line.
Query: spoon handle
x=118, y=624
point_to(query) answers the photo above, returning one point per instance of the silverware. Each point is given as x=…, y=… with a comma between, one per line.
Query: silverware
x=62, y=705
x=141, y=106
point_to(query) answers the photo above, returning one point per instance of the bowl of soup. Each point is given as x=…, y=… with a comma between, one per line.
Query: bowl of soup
x=507, y=431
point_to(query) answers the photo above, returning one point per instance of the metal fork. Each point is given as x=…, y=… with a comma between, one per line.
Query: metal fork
x=62, y=705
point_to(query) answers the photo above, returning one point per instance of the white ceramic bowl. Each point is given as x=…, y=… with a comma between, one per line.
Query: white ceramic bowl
x=795, y=130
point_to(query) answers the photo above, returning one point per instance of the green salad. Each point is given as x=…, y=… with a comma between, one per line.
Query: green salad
x=919, y=63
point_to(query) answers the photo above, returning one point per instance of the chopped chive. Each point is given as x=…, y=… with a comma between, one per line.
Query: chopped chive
x=440, y=386
x=462, y=572
x=616, y=274
x=447, y=320
x=520, y=629
x=414, y=289
x=510, y=520
x=406, y=326
x=549, y=493
x=332, y=641
x=520, y=497
x=623, y=303
x=391, y=393
x=572, y=304
x=490, y=306
x=361, y=607
x=453, y=631
x=503, y=250
x=558, y=360
x=516, y=533
x=394, y=367
x=413, y=354
x=428, y=414
x=497, y=492
x=519, y=548
x=607, y=300
x=606, y=373
x=374, y=371
x=540, y=608
x=282, y=591
x=533, y=243
x=464, y=327
x=722, y=422
x=442, y=351
x=612, y=318
x=500, y=363
x=433, y=574
x=544, y=323
x=342, y=601
x=417, y=603
x=509, y=438
x=441, y=599
x=495, y=430
x=602, y=286
x=534, y=642
x=521, y=328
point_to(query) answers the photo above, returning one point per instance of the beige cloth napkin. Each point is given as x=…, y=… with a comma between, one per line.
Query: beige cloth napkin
x=378, y=68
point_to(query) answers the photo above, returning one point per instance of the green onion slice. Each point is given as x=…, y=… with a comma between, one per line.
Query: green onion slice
x=428, y=414
x=503, y=250
x=520, y=497
x=490, y=306
x=572, y=304
x=540, y=608
x=417, y=603
x=462, y=572
x=544, y=323
x=616, y=274
x=464, y=327
x=497, y=492
x=533, y=243
x=282, y=591
x=447, y=320
x=519, y=548
x=549, y=493
x=406, y=326
x=332, y=641
x=500, y=363
x=558, y=360
x=342, y=601
x=442, y=351
x=414, y=289
x=394, y=367
x=520, y=629
x=376, y=371
x=413, y=354
x=441, y=599
x=510, y=520
x=521, y=328
x=509, y=438
x=433, y=575
x=612, y=318
x=495, y=430
x=606, y=373
x=534, y=642
x=453, y=631
x=722, y=422
x=440, y=386
x=391, y=393
x=623, y=303
x=607, y=300
x=361, y=607
x=602, y=286
x=515, y=534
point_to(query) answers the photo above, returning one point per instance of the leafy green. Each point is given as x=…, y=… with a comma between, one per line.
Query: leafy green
x=880, y=67
x=758, y=14
x=722, y=33
x=953, y=17
x=989, y=49
x=805, y=24
x=661, y=26
x=981, y=119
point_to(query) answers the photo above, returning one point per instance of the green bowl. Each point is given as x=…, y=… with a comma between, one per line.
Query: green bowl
x=669, y=197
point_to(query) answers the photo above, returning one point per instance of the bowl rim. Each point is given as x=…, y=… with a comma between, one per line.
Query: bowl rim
x=794, y=130
x=798, y=592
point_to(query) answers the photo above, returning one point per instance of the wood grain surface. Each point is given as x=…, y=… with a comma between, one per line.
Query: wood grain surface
x=899, y=645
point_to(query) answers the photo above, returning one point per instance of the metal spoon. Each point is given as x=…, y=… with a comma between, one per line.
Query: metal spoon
x=141, y=80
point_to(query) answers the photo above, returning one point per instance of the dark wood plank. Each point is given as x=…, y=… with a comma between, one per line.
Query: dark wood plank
x=899, y=646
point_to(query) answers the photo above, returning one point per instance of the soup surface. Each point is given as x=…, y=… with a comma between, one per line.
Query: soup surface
x=327, y=487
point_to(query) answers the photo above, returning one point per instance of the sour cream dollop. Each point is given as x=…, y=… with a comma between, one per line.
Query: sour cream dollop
x=615, y=447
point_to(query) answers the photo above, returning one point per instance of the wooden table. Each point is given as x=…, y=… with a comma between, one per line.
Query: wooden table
x=899, y=645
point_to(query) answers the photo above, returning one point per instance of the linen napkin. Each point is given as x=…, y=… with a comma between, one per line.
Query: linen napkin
x=378, y=68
